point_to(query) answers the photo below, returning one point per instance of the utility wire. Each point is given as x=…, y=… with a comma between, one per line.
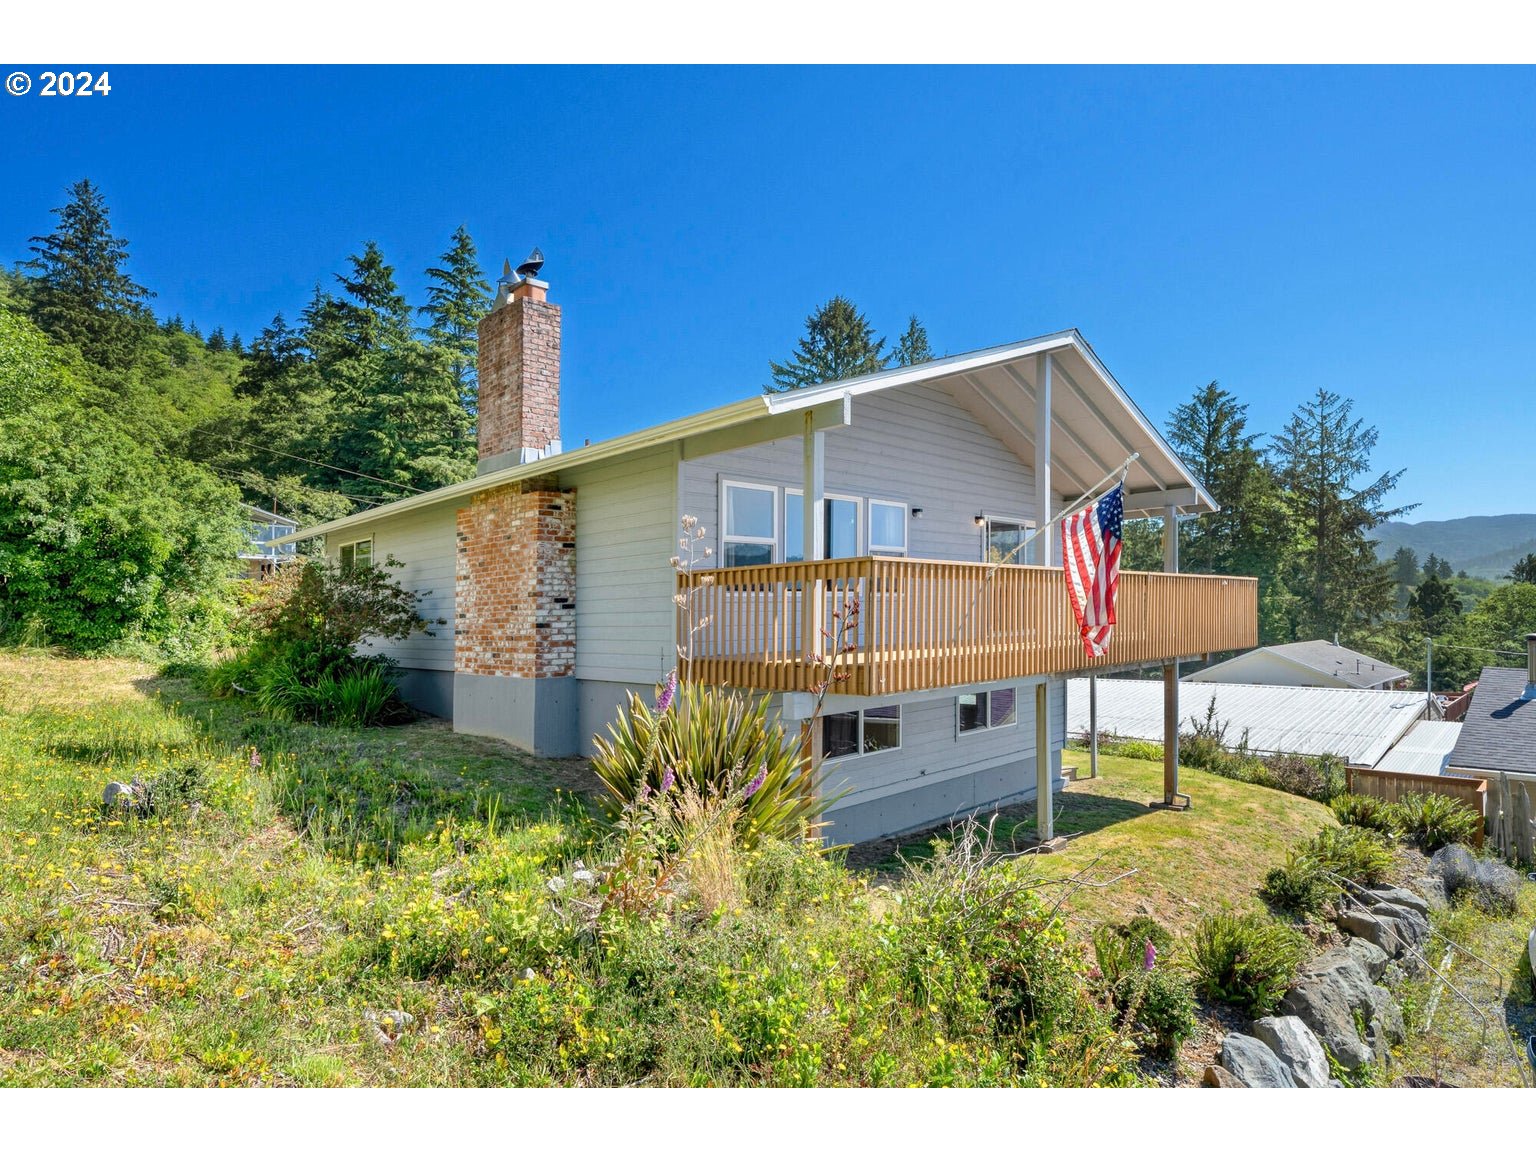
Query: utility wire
x=316, y=463
x=246, y=477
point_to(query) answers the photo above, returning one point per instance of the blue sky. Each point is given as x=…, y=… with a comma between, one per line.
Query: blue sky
x=1369, y=231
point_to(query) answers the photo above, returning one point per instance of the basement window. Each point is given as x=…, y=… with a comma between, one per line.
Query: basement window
x=357, y=553
x=978, y=711
x=861, y=733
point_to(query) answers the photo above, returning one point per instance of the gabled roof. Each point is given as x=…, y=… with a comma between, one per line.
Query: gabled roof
x=1349, y=668
x=1095, y=427
x=1499, y=733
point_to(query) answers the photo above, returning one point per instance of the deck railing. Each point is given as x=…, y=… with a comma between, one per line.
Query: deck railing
x=924, y=624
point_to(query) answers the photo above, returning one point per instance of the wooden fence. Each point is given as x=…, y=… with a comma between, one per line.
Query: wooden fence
x=1512, y=818
x=1393, y=786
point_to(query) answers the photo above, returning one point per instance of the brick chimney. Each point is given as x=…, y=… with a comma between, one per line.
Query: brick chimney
x=519, y=362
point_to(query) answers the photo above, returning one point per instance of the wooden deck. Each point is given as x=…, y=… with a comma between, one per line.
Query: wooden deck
x=909, y=625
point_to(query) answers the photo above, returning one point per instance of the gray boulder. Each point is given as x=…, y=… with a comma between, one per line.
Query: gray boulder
x=1331, y=992
x=1386, y=1026
x=1371, y=958
x=1391, y=927
x=1432, y=888
x=1252, y=1062
x=1399, y=896
x=1296, y=1046
x=1493, y=885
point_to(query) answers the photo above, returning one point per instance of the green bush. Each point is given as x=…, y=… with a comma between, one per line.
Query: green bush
x=1365, y=812
x=1247, y=961
x=1133, y=749
x=713, y=742
x=1297, y=887
x=1161, y=1007
x=1434, y=820
x=1357, y=854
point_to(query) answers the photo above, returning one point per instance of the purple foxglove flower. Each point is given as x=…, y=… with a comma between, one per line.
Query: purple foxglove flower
x=645, y=792
x=255, y=760
x=755, y=783
x=668, y=780
x=668, y=691
x=1150, y=957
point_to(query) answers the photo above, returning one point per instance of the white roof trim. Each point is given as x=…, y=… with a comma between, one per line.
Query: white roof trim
x=743, y=411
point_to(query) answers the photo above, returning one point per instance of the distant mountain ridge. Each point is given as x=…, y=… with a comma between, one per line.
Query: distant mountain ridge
x=1485, y=546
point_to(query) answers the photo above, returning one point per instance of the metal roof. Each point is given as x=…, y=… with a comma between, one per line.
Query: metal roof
x=1348, y=667
x=1499, y=733
x=1095, y=426
x=1425, y=750
x=1358, y=724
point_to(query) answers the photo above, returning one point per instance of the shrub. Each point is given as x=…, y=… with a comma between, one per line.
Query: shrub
x=1297, y=887
x=1247, y=961
x=1434, y=820
x=1357, y=854
x=711, y=741
x=1365, y=812
x=1161, y=1007
x=1318, y=778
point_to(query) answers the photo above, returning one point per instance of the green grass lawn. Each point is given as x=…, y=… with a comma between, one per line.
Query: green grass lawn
x=1181, y=864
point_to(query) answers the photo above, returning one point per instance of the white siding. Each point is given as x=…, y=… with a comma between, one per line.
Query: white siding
x=425, y=542
x=915, y=445
x=932, y=750
x=1261, y=667
x=626, y=533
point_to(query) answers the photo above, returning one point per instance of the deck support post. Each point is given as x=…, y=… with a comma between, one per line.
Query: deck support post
x=1045, y=796
x=1042, y=545
x=1093, y=727
x=1171, y=794
x=813, y=542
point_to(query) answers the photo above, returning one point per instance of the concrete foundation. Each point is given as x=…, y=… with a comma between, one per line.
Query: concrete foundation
x=429, y=690
x=536, y=715
x=598, y=705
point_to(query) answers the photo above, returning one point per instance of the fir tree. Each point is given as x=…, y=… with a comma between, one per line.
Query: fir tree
x=838, y=343
x=81, y=294
x=1524, y=571
x=913, y=347
x=274, y=353
x=1339, y=584
x=373, y=312
x=216, y=341
x=457, y=298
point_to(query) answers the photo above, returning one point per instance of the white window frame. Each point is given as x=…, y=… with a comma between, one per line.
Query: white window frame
x=1027, y=523
x=986, y=712
x=341, y=552
x=901, y=734
x=906, y=512
x=774, y=552
x=860, y=544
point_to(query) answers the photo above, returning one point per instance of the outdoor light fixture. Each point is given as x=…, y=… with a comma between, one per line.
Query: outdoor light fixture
x=980, y=521
x=917, y=513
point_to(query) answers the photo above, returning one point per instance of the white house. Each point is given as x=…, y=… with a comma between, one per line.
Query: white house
x=553, y=566
x=1305, y=664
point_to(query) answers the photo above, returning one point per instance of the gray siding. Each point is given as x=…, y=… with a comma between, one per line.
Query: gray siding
x=933, y=751
x=915, y=445
x=626, y=533
x=424, y=541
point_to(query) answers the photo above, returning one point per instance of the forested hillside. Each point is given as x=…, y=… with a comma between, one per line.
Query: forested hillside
x=1481, y=546
x=128, y=443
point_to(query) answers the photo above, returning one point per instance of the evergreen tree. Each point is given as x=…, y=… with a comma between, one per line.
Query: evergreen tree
x=913, y=347
x=216, y=341
x=1211, y=436
x=274, y=353
x=1339, y=584
x=1433, y=607
x=1524, y=571
x=373, y=312
x=81, y=293
x=236, y=345
x=457, y=298
x=1405, y=571
x=838, y=343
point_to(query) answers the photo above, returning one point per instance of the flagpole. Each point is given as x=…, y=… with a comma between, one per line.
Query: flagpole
x=1122, y=471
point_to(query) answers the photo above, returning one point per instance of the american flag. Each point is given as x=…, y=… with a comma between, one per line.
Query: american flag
x=1090, y=556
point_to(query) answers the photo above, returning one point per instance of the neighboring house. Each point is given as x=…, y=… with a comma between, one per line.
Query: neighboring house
x=1358, y=725
x=1309, y=663
x=554, y=569
x=261, y=551
x=1499, y=732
